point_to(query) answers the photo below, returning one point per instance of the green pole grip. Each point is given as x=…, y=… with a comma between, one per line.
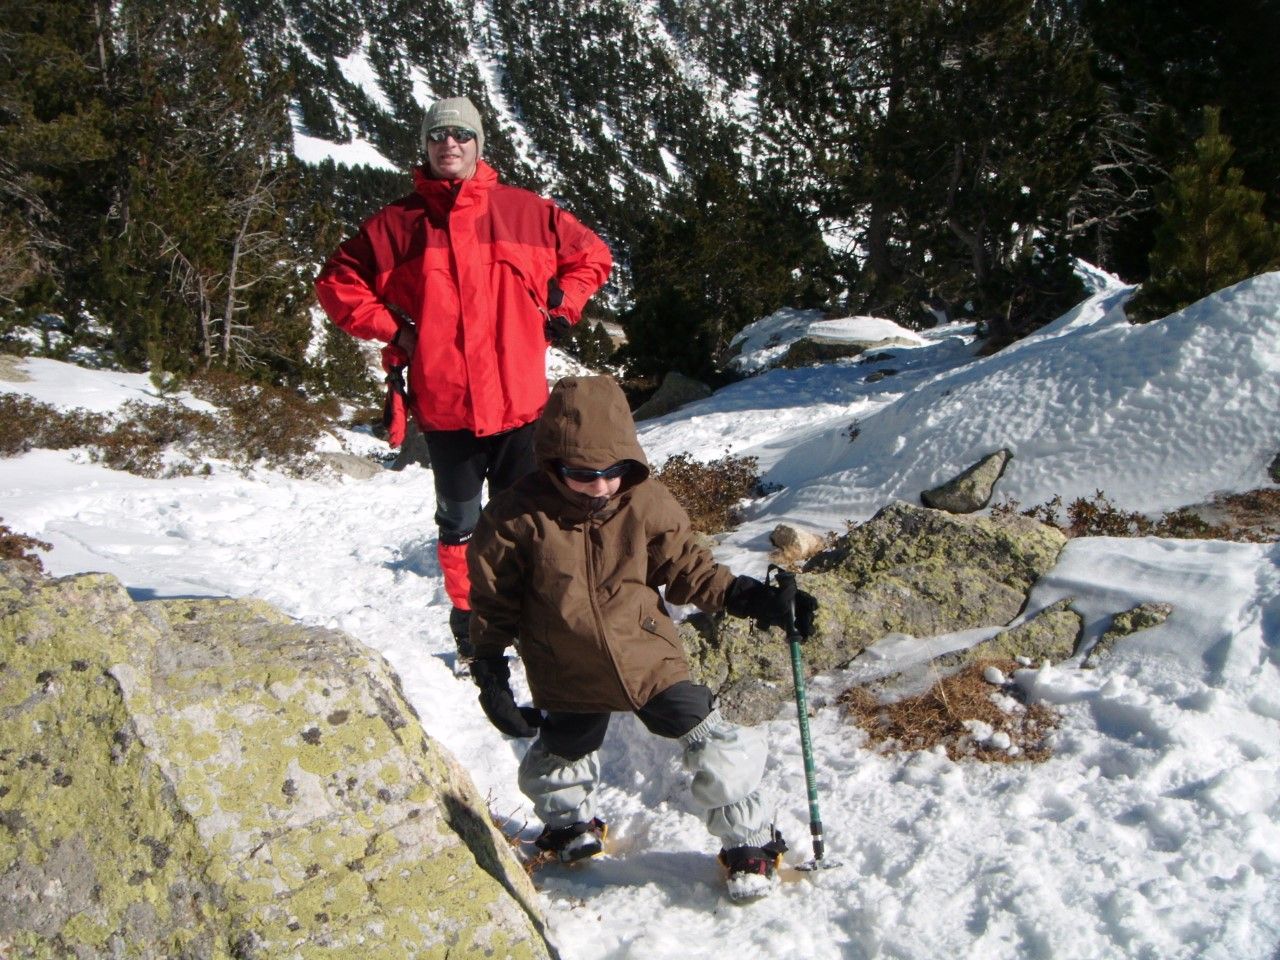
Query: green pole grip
x=806, y=747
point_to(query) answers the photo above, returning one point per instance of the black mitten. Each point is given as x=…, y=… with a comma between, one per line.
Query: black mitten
x=493, y=677
x=771, y=605
x=806, y=614
x=767, y=605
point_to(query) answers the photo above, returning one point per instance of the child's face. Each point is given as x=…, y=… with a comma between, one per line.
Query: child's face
x=599, y=487
x=591, y=481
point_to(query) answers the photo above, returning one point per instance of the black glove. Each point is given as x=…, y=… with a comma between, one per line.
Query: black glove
x=771, y=605
x=556, y=329
x=493, y=677
x=768, y=606
x=806, y=614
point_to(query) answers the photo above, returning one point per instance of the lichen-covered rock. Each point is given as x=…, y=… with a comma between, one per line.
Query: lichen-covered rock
x=1142, y=617
x=971, y=490
x=210, y=779
x=1053, y=634
x=809, y=350
x=906, y=570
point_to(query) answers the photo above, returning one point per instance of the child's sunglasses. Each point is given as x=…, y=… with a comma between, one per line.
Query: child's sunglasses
x=587, y=475
x=460, y=134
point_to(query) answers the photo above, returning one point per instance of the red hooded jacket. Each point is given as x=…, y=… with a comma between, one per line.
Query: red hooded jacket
x=468, y=263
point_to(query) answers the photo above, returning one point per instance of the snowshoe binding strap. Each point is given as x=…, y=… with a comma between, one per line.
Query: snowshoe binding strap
x=763, y=860
x=574, y=842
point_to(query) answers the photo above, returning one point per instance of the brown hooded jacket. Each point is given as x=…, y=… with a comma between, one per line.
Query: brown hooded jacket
x=573, y=580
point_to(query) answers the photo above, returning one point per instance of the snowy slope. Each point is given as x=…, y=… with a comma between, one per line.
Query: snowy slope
x=1154, y=830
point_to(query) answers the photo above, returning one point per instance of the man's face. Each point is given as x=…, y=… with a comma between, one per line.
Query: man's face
x=448, y=159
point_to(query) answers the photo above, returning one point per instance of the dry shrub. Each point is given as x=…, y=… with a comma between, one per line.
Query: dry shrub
x=711, y=492
x=18, y=547
x=1249, y=516
x=255, y=424
x=138, y=443
x=1255, y=513
x=512, y=831
x=27, y=424
x=938, y=717
x=276, y=426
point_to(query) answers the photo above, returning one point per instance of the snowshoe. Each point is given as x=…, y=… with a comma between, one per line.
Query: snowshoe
x=460, y=627
x=753, y=871
x=575, y=842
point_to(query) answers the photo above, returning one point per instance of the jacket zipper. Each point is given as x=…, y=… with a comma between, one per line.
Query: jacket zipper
x=588, y=551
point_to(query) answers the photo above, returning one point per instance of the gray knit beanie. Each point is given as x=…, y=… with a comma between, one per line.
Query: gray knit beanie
x=454, y=112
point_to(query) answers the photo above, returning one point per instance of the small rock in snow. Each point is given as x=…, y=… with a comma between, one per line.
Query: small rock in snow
x=979, y=730
x=1007, y=704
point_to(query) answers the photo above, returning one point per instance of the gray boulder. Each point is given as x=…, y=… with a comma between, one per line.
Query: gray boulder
x=349, y=465
x=971, y=490
x=906, y=570
x=414, y=449
x=676, y=391
x=813, y=349
x=209, y=779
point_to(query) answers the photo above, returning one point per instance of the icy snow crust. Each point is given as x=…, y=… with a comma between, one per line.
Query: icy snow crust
x=1154, y=830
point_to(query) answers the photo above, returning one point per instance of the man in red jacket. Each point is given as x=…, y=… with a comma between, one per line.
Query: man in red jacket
x=466, y=280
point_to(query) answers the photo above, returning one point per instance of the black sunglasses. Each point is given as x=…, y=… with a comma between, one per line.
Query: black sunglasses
x=587, y=475
x=460, y=134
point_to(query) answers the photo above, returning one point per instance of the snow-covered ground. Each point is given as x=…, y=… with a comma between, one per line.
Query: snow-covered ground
x=1154, y=830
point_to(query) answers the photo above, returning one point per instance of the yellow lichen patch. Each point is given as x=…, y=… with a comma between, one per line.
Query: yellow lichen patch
x=210, y=777
x=88, y=833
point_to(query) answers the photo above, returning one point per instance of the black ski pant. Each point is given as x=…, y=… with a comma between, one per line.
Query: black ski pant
x=461, y=462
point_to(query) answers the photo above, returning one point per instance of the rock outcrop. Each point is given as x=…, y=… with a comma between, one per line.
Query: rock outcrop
x=183, y=779
x=971, y=490
x=906, y=570
x=1053, y=634
x=676, y=391
x=1142, y=617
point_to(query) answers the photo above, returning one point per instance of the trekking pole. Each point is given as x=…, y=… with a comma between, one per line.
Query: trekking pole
x=786, y=582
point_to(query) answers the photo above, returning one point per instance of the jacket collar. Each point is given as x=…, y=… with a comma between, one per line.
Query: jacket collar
x=441, y=196
x=577, y=507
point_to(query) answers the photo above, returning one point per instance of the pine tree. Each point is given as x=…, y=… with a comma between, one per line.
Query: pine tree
x=55, y=147
x=196, y=247
x=726, y=252
x=944, y=137
x=1213, y=231
x=1167, y=59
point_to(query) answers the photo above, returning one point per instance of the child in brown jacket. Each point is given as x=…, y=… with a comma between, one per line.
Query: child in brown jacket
x=566, y=565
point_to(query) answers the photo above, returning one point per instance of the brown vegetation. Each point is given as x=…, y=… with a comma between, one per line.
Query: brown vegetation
x=1252, y=517
x=711, y=493
x=18, y=547
x=254, y=424
x=945, y=716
